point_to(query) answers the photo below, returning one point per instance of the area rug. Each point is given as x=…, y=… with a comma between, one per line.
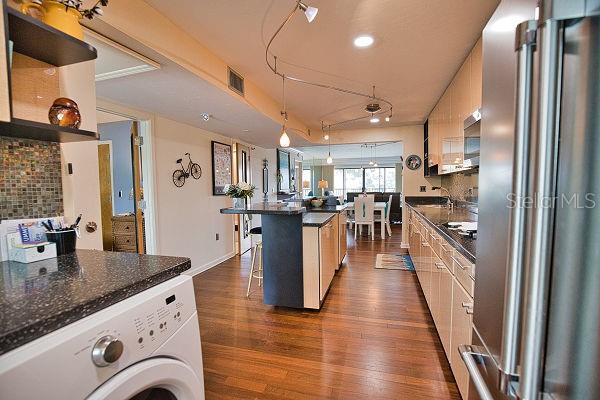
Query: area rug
x=394, y=261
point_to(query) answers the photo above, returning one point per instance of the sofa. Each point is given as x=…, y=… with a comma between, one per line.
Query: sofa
x=396, y=211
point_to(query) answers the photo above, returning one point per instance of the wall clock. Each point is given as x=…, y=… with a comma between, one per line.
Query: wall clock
x=413, y=162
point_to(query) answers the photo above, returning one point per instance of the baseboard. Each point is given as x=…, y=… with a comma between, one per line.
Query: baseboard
x=196, y=270
x=404, y=245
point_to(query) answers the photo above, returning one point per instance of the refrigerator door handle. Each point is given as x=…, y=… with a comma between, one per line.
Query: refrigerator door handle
x=471, y=358
x=525, y=43
x=541, y=230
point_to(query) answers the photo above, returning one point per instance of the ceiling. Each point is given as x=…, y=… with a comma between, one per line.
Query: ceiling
x=419, y=46
x=174, y=92
x=353, y=154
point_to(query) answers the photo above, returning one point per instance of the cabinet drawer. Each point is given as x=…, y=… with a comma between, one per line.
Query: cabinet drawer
x=462, y=271
x=124, y=242
x=123, y=227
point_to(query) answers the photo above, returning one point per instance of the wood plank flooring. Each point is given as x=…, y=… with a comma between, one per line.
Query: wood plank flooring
x=373, y=339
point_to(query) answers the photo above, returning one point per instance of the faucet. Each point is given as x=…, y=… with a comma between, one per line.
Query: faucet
x=449, y=202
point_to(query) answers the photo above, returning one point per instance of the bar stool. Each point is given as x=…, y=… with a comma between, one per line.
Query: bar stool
x=255, y=272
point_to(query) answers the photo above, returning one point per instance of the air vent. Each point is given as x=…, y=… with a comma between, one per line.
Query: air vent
x=236, y=81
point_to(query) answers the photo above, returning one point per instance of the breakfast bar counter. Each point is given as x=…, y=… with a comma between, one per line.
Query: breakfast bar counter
x=283, y=248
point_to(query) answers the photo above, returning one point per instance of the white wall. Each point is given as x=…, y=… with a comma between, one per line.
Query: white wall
x=188, y=218
x=81, y=190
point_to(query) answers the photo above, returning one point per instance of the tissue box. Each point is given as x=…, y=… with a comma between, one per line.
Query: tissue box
x=26, y=253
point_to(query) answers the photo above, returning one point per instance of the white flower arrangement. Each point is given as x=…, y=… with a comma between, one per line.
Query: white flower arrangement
x=240, y=190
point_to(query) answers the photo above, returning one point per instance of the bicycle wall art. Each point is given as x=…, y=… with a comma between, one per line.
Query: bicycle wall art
x=180, y=175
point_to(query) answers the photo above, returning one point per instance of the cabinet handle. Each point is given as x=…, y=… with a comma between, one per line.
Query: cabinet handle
x=439, y=265
x=463, y=267
x=424, y=244
x=469, y=311
x=467, y=305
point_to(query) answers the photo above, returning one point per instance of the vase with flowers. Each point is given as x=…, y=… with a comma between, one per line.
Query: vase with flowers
x=63, y=15
x=240, y=192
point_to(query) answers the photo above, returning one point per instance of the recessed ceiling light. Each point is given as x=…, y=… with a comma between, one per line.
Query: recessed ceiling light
x=363, y=41
x=246, y=130
x=374, y=120
x=205, y=117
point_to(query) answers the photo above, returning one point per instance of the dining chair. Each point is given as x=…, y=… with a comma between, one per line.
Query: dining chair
x=386, y=218
x=364, y=214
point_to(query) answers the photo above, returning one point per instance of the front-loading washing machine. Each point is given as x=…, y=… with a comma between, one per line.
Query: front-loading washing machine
x=146, y=347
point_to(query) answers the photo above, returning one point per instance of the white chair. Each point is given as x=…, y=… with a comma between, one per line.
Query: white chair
x=256, y=271
x=364, y=214
x=386, y=219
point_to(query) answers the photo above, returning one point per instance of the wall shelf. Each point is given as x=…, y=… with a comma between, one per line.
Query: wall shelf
x=38, y=40
x=21, y=128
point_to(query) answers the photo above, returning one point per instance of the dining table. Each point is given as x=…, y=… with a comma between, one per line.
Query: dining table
x=379, y=207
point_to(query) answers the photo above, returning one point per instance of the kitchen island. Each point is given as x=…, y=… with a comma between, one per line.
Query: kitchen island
x=292, y=276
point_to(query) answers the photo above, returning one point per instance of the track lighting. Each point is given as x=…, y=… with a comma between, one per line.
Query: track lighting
x=326, y=137
x=387, y=119
x=374, y=120
x=310, y=12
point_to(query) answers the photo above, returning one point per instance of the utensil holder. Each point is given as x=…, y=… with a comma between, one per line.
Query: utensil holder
x=65, y=241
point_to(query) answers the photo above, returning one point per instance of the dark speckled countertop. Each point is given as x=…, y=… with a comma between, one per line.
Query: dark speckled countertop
x=41, y=297
x=267, y=208
x=437, y=217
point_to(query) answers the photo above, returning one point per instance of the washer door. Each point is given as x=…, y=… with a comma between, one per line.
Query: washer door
x=153, y=379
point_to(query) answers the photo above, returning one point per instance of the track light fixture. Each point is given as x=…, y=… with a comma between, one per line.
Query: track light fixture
x=310, y=12
x=271, y=60
x=329, y=159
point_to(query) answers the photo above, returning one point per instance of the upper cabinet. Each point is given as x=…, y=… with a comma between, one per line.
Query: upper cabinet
x=476, y=76
x=446, y=121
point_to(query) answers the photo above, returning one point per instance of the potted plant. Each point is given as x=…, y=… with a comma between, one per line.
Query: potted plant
x=63, y=15
x=240, y=192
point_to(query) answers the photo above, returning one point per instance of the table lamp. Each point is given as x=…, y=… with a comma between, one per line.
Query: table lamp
x=323, y=184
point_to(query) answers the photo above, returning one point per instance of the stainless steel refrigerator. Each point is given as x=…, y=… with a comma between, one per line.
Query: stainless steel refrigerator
x=537, y=284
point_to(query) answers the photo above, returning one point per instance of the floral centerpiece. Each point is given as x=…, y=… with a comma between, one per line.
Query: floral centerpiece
x=239, y=193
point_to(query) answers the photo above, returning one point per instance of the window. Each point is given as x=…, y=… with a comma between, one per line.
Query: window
x=390, y=180
x=306, y=182
x=338, y=182
x=382, y=179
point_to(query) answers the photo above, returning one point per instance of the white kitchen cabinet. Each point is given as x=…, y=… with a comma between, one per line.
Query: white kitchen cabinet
x=343, y=231
x=329, y=249
x=462, y=327
x=320, y=255
x=425, y=267
x=436, y=267
x=444, y=323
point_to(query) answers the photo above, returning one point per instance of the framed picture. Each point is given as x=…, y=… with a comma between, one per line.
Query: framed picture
x=221, y=167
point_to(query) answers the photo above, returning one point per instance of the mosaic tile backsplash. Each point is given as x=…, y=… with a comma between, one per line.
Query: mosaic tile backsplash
x=462, y=186
x=30, y=179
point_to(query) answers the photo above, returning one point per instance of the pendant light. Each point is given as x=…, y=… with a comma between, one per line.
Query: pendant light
x=310, y=12
x=284, y=140
x=375, y=155
x=329, y=159
x=371, y=159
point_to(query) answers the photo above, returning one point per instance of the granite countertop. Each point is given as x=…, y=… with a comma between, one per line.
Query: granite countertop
x=328, y=209
x=266, y=208
x=43, y=296
x=317, y=219
x=437, y=217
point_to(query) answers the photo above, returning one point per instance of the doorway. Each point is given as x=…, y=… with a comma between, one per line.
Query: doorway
x=243, y=174
x=122, y=169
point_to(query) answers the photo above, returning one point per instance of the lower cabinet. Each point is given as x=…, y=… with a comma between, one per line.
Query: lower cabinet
x=343, y=231
x=329, y=255
x=442, y=274
x=462, y=328
x=320, y=258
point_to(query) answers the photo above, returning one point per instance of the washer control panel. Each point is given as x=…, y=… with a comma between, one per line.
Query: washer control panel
x=147, y=320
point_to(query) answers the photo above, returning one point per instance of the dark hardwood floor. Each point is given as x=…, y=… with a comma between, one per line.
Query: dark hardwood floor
x=373, y=339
